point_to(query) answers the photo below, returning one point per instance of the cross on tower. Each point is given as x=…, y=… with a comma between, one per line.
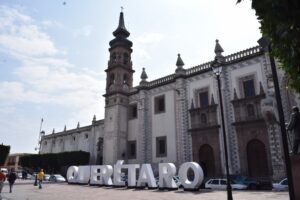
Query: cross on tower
x=122, y=8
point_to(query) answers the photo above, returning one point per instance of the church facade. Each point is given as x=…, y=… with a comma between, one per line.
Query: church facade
x=177, y=118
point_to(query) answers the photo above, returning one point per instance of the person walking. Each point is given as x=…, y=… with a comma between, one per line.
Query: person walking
x=294, y=125
x=12, y=176
x=2, y=179
x=40, y=178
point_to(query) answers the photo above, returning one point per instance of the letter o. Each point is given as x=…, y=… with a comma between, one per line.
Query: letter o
x=72, y=174
x=198, y=175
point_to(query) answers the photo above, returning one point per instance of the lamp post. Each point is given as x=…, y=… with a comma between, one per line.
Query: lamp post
x=217, y=70
x=265, y=43
x=41, y=133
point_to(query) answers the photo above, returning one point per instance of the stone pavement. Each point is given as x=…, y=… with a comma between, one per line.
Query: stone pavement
x=24, y=190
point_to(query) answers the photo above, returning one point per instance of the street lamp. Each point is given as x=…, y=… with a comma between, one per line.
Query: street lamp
x=217, y=70
x=41, y=133
x=265, y=43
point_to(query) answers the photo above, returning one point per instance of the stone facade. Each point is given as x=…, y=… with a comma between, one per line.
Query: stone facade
x=177, y=118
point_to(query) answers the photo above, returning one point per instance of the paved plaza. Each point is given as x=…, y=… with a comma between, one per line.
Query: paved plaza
x=24, y=190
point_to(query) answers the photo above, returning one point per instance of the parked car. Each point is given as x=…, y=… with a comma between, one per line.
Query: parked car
x=175, y=178
x=221, y=184
x=251, y=183
x=4, y=171
x=29, y=176
x=57, y=178
x=19, y=174
x=177, y=181
x=281, y=186
x=46, y=177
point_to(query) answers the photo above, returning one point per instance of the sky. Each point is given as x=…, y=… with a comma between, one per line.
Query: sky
x=53, y=54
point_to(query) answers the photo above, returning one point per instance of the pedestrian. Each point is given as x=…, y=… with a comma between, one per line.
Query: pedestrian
x=40, y=178
x=12, y=176
x=294, y=125
x=2, y=179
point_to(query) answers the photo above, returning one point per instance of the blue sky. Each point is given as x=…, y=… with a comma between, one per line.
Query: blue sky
x=53, y=56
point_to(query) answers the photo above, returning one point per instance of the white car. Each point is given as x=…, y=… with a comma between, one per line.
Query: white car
x=281, y=186
x=46, y=177
x=221, y=184
x=4, y=171
x=175, y=178
x=57, y=178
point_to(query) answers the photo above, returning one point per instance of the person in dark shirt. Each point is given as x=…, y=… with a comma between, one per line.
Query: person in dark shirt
x=294, y=125
x=12, y=176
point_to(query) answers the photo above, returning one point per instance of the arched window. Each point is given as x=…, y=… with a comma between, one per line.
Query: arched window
x=100, y=144
x=125, y=79
x=203, y=119
x=114, y=57
x=112, y=78
x=125, y=58
x=250, y=110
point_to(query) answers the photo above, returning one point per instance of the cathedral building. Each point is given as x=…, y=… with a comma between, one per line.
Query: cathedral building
x=177, y=118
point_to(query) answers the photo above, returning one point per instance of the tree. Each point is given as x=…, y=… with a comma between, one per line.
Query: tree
x=280, y=22
x=52, y=162
x=4, y=151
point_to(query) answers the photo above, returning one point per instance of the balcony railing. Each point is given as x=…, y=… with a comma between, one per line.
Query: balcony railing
x=248, y=110
x=203, y=117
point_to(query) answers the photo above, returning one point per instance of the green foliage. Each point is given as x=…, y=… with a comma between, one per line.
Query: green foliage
x=280, y=21
x=53, y=162
x=4, y=151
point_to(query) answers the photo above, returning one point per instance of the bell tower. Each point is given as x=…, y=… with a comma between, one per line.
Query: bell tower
x=119, y=80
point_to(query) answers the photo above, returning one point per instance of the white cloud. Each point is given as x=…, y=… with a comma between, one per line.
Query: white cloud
x=45, y=77
x=19, y=34
x=51, y=23
x=145, y=42
x=84, y=31
x=150, y=38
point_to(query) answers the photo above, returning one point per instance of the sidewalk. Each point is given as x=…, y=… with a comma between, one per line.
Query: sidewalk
x=24, y=190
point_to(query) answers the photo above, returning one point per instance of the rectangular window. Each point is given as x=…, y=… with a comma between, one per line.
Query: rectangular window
x=249, y=90
x=131, y=148
x=161, y=146
x=133, y=112
x=159, y=104
x=203, y=97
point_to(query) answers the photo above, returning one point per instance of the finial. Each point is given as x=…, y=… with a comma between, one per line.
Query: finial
x=65, y=129
x=212, y=100
x=179, y=62
x=235, y=94
x=218, y=49
x=53, y=131
x=78, y=125
x=261, y=88
x=94, y=118
x=122, y=8
x=192, y=104
x=144, y=75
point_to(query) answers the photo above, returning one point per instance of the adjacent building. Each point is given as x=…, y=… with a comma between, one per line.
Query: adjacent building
x=176, y=118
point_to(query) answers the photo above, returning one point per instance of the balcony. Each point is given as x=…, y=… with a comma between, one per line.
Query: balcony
x=204, y=118
x=248, y=110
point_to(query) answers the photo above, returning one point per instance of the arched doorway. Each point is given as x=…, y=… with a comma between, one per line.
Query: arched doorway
x=207, y=160
x=257, y=159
